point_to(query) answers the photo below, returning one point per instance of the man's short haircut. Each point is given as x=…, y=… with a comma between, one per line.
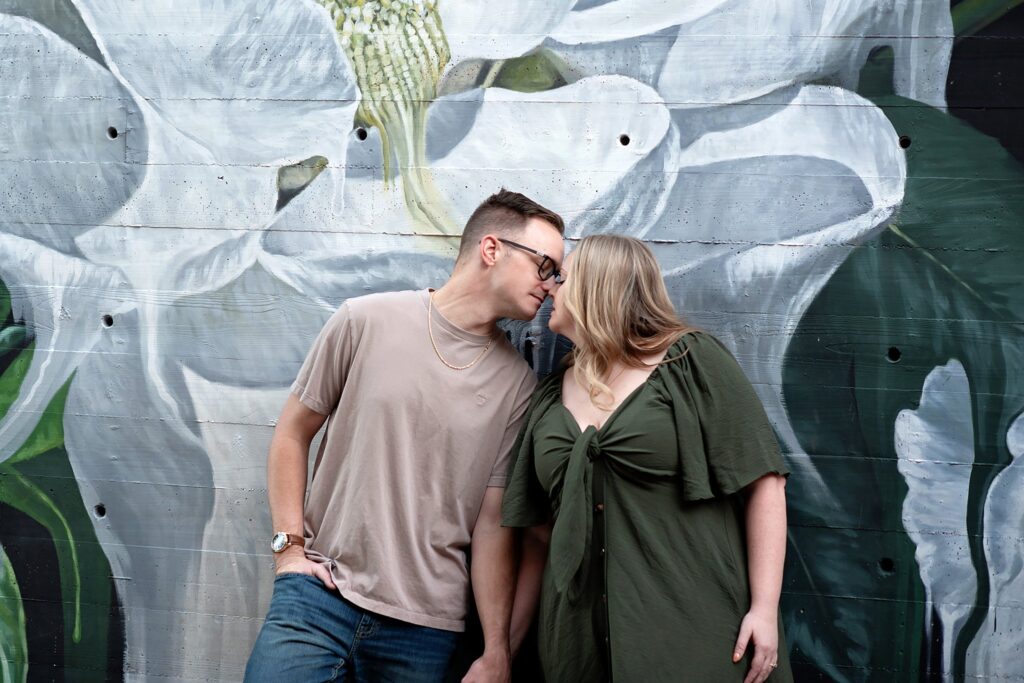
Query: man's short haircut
x=504, y=213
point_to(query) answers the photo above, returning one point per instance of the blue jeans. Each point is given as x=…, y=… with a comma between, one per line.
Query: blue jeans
x=312, y=634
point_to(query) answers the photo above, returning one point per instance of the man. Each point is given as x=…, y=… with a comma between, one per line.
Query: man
x=423, y=398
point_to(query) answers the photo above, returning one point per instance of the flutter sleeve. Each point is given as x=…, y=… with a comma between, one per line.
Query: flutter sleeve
x=525, y=502
x=725, y=440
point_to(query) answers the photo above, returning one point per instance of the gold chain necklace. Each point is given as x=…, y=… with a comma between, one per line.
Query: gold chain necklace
x=430, y=333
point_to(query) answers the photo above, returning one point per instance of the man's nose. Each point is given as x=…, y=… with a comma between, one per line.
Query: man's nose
x=548, y=284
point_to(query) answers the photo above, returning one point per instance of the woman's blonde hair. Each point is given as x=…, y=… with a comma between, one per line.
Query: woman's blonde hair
x=617, y=300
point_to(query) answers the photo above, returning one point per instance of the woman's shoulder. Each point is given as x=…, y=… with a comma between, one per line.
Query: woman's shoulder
x=696, y=343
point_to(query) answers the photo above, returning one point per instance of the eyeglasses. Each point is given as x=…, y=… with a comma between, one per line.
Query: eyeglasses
x=548, y=268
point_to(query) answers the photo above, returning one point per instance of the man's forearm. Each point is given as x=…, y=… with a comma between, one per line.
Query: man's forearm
x=493, y=576
x=528, y=582
x=286, y=483
x=766, y=541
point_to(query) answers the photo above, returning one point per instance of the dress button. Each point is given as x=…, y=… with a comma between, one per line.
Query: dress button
x=602, y=551
x=599, y=507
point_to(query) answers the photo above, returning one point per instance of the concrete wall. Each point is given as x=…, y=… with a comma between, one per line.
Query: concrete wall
x=188, y=188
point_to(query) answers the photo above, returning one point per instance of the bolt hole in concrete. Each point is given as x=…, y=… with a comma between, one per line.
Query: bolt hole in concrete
x=887, y=565
x=112, y=133
x=361, y=133
x=107, y=320
x=893, y=355
x=100, y=510
x=623, y=140
x=905, y=141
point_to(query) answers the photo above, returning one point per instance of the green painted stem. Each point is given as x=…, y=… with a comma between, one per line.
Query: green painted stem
x=971, y=16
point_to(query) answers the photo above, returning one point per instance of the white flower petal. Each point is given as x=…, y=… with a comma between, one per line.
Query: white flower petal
x=1015, y=437
x=629, y=18
x=490, y=30
x=762, y=215
x=329, y=268
x=935, y=451
x=761, y=45
x=560, y=147
x=248, y=81
x=924, y=50
x=151, y=473
x=62, y=299
x=995, y=650
x=236, y=425
x=60, y=171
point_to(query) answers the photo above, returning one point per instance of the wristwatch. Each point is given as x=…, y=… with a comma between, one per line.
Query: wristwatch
x=282, y=540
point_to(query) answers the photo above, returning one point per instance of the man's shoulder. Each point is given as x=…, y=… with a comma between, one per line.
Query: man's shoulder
x=382, y=304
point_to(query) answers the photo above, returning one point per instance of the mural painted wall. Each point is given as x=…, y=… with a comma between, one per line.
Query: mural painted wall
x=190, y=187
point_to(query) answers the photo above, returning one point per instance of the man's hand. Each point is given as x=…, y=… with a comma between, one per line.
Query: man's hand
x=292, y=562
x=492, y=667
x=763, y=628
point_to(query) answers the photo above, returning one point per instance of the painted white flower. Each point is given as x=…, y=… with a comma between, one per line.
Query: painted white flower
x=723, y=51
x=935, y=447
x=996, y=649
x=218, y=267
x=143, y=167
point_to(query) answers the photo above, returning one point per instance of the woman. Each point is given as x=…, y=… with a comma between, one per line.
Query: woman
x=652, y=458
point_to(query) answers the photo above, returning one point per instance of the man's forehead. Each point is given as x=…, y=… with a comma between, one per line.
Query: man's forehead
x=545, y=236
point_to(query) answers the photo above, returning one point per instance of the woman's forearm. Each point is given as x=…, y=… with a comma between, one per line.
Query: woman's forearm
x=766, y=541
x=531, y=571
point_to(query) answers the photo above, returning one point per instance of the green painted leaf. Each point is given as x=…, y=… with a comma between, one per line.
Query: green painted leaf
x=13, y=642
x=942, y=283
x=10, y=380
x=49, y=432
x=971, y=16
x=5, y=303
x=20, y=493
x=13, y=337
x=52, y=473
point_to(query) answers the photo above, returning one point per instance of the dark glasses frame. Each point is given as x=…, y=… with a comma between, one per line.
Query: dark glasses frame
x=547, y=264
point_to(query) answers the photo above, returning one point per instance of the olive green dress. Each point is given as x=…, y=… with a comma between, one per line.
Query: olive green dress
x=646, y=578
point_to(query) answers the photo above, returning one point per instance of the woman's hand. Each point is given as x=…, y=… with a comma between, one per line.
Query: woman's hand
x=761, y=627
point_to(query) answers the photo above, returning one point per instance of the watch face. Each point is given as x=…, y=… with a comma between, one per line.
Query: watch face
x=279, y=542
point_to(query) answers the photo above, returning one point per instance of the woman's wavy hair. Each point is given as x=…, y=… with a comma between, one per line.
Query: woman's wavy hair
x=617, y=300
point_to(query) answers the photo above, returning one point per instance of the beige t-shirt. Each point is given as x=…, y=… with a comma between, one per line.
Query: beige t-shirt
x=411, y=445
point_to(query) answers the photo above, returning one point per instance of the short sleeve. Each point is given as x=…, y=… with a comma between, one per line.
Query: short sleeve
x=525, y=502
x=322, y=376
x=499, y=475
x=737, y=441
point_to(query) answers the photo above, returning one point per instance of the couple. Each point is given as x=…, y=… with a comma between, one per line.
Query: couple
x=645, y=477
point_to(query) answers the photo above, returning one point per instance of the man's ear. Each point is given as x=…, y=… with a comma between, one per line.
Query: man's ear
x=489, y=247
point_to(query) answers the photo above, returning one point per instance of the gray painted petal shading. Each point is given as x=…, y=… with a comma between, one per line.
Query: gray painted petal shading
x=723, y=268
x=60, y=172
x=561, y=147
x=149, y=470
x=922, y=64
x=629, y=18
x=62, y=300
x=236, y=578
x=490, y=30
x=760, y=46
x=1001, y=639
x=59, y=16
x=248, y=81
x=935, y=447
